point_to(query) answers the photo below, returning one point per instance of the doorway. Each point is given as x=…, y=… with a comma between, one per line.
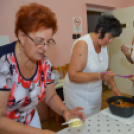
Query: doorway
x=92, y=18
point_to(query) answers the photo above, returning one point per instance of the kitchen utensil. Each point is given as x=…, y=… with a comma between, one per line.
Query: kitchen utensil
x=71, y=121
x=124, y=76
x=121, y=111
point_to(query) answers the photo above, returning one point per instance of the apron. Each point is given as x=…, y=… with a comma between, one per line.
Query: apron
x=87, y=95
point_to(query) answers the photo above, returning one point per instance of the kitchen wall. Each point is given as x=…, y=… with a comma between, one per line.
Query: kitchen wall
x=65, y=10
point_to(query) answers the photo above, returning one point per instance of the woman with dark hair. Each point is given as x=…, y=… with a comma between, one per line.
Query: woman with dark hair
x=89, y=58
x=26, y=75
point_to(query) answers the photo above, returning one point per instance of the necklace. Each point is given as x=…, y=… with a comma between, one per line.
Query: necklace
x=23, y=60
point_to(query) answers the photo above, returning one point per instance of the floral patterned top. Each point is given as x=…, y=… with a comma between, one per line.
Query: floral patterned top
x=25, y=94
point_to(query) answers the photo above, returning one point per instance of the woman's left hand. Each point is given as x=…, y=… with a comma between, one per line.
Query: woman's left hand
x=74, y=112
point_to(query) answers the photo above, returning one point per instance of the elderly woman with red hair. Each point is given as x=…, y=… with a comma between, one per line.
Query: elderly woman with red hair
x=26, y=75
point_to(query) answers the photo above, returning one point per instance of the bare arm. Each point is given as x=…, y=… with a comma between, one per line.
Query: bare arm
x=53, y=100
x=77, y=64
x=8, y=126
x=112, y=84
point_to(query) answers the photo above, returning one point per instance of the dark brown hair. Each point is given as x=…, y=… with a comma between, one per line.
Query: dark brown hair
x=108, y=24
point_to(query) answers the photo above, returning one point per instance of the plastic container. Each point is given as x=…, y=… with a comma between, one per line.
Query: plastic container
x=57, y=76
x=76, y=123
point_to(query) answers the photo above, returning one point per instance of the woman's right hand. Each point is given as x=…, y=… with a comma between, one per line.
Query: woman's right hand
x=107, y=76
x=125, y=50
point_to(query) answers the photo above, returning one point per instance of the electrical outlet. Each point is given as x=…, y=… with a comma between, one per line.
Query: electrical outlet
x=78, y=36
x=74, y=36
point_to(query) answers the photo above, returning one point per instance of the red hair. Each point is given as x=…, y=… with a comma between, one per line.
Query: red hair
x=31, y=17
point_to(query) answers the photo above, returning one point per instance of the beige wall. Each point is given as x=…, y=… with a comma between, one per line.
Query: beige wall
x=118, y=62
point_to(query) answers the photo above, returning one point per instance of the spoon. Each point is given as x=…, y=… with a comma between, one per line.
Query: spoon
x=77, y=119
x=126, y=76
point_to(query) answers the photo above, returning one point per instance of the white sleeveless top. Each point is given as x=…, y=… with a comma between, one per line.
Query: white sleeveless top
x=87, y=95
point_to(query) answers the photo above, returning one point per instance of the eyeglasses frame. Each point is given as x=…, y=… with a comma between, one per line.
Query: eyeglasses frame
x=35, y=42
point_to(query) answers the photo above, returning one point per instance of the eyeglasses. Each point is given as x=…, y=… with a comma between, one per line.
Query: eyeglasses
x=40, y=41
